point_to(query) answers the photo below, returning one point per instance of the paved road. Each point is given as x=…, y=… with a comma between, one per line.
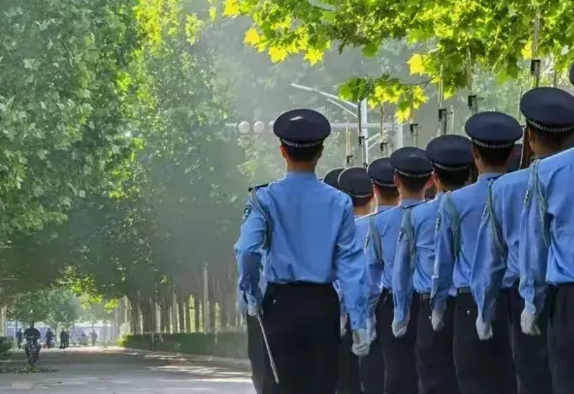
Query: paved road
x=115, y=371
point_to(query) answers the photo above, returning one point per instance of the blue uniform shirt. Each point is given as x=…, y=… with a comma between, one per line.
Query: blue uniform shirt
x=455, y=238
x=546, y=230
x=313, y=240
x=361, y=228
x=417, y=274
x=495, y=263
x=387, y=225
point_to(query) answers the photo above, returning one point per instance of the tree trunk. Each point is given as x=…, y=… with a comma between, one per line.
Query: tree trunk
x=181, y=313
x=147, y=316
x=164, y=317
x=174, y=310
x=134, y=317
x=223, y=297
x=196, y=306
x=211, y=304
x=187, y=321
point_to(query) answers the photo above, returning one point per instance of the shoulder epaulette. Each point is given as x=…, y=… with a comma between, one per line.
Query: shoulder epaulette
x=258, y=186
x=413, y=205
x=373, y=214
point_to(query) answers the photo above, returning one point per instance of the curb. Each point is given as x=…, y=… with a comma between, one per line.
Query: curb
x=191, y=357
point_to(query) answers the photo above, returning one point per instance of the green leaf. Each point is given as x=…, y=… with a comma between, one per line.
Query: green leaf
x=371, y=50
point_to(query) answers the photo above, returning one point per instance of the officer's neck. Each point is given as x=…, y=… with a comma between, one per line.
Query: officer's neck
x=386, y=201
x=442, y=187
x=489, y=169
x=295, y=166
x=545, y=151
x=409, y=195
x=362, y=210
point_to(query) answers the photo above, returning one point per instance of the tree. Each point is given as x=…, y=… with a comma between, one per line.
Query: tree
x=94, y=312
x=455, y=39
x=64, y=309
x=57, y=306
x=28, y=307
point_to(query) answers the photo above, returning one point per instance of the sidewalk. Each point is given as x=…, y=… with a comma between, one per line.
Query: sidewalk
x=190, y=357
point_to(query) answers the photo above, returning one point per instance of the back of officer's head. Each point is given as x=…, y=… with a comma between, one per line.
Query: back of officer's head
x=310, y=155
x=301, y=132
x=382, y=175
x=451, y=156
x=493, y=135
x=549, y=114
x=413, y=170
x=356, y=183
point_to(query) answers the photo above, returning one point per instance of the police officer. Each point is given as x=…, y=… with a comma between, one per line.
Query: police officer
x=349, y=374
x=412, y=173
x=481, y=366
x=382, y=175
x=357, y=184
x=497, y=267
x=255, y=343
x=546, y=234
x=387, y=196
x=307, y=230
x=332, y=177
x=452, y=160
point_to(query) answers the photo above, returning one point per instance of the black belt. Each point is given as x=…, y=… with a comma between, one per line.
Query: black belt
x=463, y=290
x=301, y=284
x=425, y=296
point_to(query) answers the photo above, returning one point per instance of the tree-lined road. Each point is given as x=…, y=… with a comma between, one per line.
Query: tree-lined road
x=116, y=371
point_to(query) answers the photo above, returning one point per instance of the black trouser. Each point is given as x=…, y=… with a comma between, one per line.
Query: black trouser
x=373, y=370
x=399, y=353
x=561, y=338
x=530, y=352
x=303, y=329
x=256, y=352
x=349, y=374
x=435, y=359
x=482, y=367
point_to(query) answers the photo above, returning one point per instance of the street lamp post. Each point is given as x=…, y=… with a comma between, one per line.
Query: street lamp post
x=363, y=117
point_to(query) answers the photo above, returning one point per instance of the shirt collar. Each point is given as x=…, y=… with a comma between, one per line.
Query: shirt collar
x=301, y=175
x=410, y=201
x=381, y=208
x=488, y=176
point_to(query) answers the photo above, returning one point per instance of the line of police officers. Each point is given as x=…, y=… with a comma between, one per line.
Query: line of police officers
x=471, y=292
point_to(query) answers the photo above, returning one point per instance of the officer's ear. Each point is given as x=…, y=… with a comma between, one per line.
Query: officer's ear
x=476, y=154
x=283, y=151
x=398, y=181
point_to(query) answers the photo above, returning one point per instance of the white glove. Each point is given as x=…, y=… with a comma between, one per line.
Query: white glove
x=344, y=318
x=372, y=329
x=254, y=309
x=436, y=320
x=528, y=323
x=360, y=342
x=400, y=328
x=483, y=329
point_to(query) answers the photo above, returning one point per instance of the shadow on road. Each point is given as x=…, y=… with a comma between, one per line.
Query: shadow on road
x=122, y=371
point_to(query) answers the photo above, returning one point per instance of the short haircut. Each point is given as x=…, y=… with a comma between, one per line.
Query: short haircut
x=389, y=193
x=494, y=157
x=414, y=185
x=302, y=154
x=361, y=201
x=554, y=141
x=457, y=178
